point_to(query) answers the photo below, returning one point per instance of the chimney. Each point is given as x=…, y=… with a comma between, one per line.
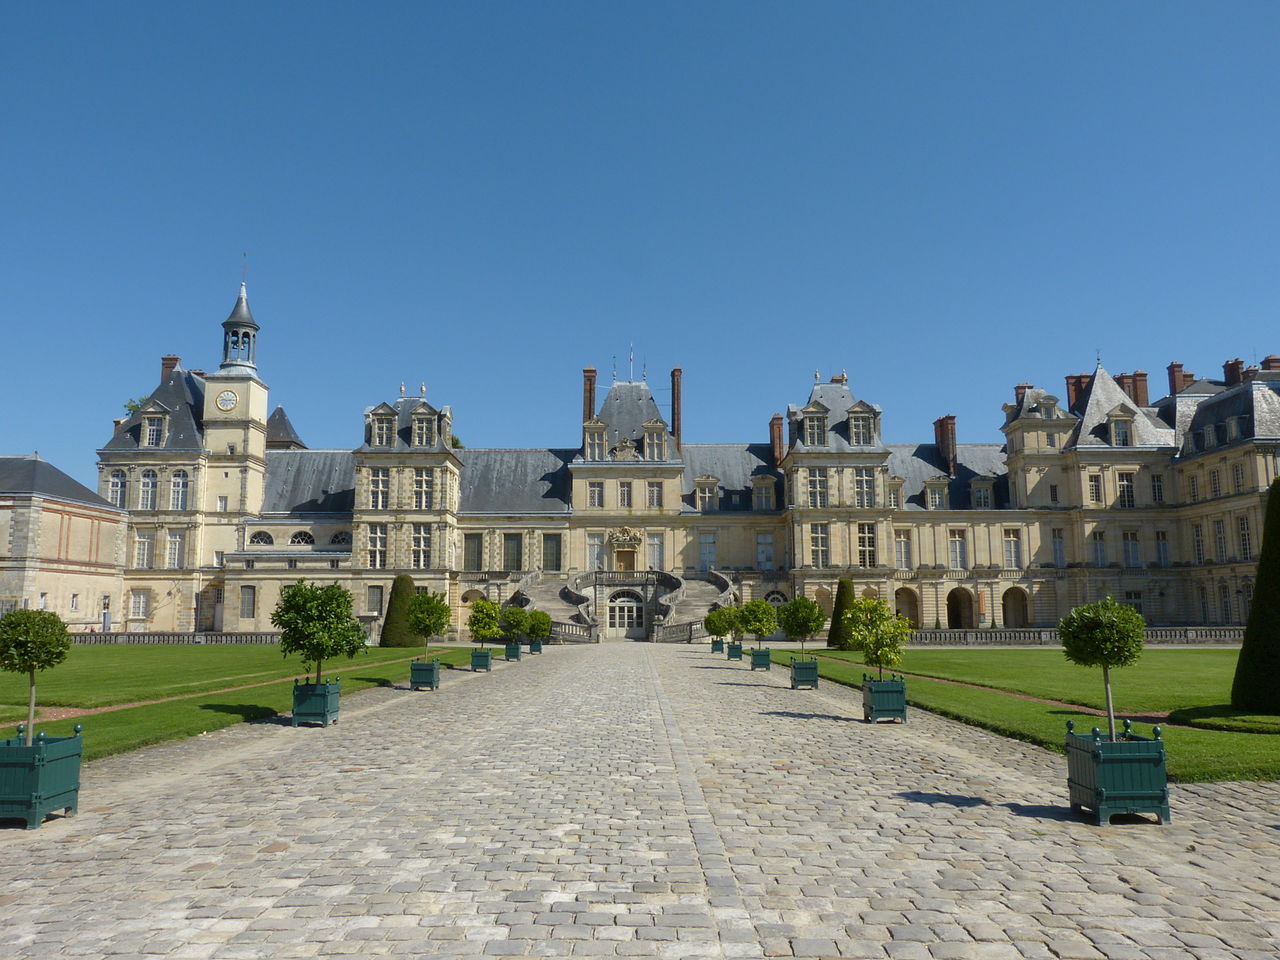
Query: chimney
x=944, y=433
x=1175, y=378
x=775, y=438
x=1140, y=395
x=588, y=393
x=1077, y=384
x=1271, y=362
x=1233, y=371
x=1020, y=392
x=1188, y=379
x=117, y=424
x=168, y=363
x=198, y=373
x=676, y=374
x=1250, y=373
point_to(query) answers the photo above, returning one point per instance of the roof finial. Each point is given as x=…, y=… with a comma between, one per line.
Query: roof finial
x=644, y=369
x=402, y=388
x=1098, y=351
x=615, y=366
x=816, y=375
x=244, y=268
x=422, y=389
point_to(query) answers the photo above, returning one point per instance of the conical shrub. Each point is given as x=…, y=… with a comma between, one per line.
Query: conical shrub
x=1256, y=687
x=840, y=637
x=396, y=631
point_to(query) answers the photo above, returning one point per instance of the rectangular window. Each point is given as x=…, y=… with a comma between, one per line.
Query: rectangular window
x=820, y=545
x=895, y=497
x=706, y=497
x=624, y=493
x=764, y=551
x=1237, y=477
x=595, y=551
x=1124, y=493
x=866, y=544
x=860, y=431
x=248, y=564
x=1053, y=493
x=1246, y=538
x=382, y=429
x=373, y=600
x=706, y=551
x=1013, y=550
x=1197, y=542
x=1193, y=488
x=1215, y=484
x=1157, y=488
x=1099, y=549
x=379, y=488
x=377, y=545
x=248, y=603
x=1133, y=598
x=421, y=546
x=1224, y=602
x=653, y=490
x=1162, y=548
x=957, y=550
x=155, y=431
x=1132, y=548
x=1095, y=488
x=144, y=547
x=654, y=552
x=139, y=603
x=815, y=431
x=817, y=487
x=472, y=551
x=423, y=488
x=178, y=489
x=219, y=558
x=222, y=504
x=75, y=602
x=935, y=498
x=551, y=551
x=43, y=602
x=512, y=551
x=1220, y=541
x=1059, y=543
x=762, y=497
x=1122, y=433
x=177, y=555
x=1051, y=439
x=981, y=498
x=655, y=445
x=423, y=432
x=902, y=549
x=864, y=487
x=147, y=490
x=595, y=493
x=595, y=445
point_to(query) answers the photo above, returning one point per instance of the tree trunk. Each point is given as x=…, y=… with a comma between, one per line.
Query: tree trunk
x=318, y=664
x=1111, y=716
x=31, y=709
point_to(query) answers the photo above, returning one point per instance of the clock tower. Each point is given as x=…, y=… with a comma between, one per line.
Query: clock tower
x=235, y=416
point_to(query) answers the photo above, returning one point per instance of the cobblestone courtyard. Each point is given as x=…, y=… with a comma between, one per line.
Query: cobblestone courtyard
x=628, y=800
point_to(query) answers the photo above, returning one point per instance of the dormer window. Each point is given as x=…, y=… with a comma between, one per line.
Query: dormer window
x=707, y=489
x=982, y=498
x=152, y=431
x=595, y=443
x=861, y=430
x=1122, y=433
x=762, y=495
x=424, y=431
x=815, y=430
x=936, y=494
x=383, y=429
x=655, y=443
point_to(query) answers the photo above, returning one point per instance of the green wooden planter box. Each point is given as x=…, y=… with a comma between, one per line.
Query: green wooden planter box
x=1122, y=776
x=316, y=702
x=883, y=699
x=733, y=651
x=717, y=645
x=481, y=660
x=804, y=674
x=760, y=659
x=39, y=779
x=513, y=650
x=535, y=646
x=424, y=673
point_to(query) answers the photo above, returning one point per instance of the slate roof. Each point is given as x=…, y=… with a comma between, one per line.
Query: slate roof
x=1101, y=397
x=627, y=406
x=515, y=481
x=30, y=476
x=736, y=465
x=916, y=463
x=181, y=396
x=404, y=409
x=309, y=481
x=1257, y=401
x=838, y=399
x=280, y=432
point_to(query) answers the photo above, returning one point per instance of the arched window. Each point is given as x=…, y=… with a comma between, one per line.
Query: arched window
x=302, y=538
x=118, y=490
x=626, y=610
x=341, y=539
x=147, y=492
x=262, y=539
x=776, y=597
x=178, y=491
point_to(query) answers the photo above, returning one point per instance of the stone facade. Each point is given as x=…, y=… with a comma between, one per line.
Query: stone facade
x=1100, y=492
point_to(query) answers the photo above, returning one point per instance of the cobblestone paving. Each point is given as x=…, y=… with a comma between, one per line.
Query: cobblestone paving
x=628, y=800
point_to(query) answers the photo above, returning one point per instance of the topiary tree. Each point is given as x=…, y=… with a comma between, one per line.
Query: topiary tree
x=514, y=622
x=428, y=616
x=838, y=637
x=539, y=625
x=316, y=622
x=32, y=640
x=1256, y=687
x=396, y=629
x=721, y=622
x=800, y=619
x=759, y=618
x=1105, y=634
x=483, y=621
x=878, y=632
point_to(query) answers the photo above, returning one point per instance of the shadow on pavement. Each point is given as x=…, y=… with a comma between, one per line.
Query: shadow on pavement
x=794, y=715
x=1036, y=811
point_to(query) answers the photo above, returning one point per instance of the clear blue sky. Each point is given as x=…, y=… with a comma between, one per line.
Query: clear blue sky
x=943, y=198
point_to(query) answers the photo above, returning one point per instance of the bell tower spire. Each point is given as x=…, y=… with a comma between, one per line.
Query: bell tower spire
x=240, y=339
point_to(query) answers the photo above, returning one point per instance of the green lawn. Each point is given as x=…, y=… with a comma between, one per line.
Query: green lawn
x=151, y=672
x=1162, y=680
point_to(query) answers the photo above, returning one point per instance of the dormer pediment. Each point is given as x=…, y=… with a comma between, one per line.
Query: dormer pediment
x=815, y=408
x=154, y=406
x=707, y=480
x=861, y=406
x=655, y=423
x=595, y=423
x=383, y=410
x=1122, y=411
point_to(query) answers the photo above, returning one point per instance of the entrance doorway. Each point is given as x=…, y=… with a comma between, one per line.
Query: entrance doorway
x=625, y=616
x=959, y=610
x=624, y=560
x=1014, y=607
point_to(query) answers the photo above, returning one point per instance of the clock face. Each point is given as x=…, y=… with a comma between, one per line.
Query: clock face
x=227, y=400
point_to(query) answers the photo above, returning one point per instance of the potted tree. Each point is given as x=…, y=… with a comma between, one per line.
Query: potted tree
x=880, y=634
x=42, y=774
x=758, y=618
x=427, y=616
x=800, y=619
x=719, y=623
x=316, y=622
x=483, y=624
x=537, y=629
x=513, y=621
x=1111, y=774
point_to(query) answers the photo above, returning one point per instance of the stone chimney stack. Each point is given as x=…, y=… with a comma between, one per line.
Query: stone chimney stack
x=1020, y=392
x=775, y=438
x=1233, y=372
x=1175, y=378
x=676, y=375
x=944, y=433
x=588, y=393
x=1077, y=384
x=1140, y=395
x=1271, y=362
x=168, y=363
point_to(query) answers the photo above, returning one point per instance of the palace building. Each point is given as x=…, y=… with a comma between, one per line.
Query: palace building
x=629, y=531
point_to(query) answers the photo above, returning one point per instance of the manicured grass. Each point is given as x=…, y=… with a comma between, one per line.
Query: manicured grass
x=1194, y=755
x=117, y=731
